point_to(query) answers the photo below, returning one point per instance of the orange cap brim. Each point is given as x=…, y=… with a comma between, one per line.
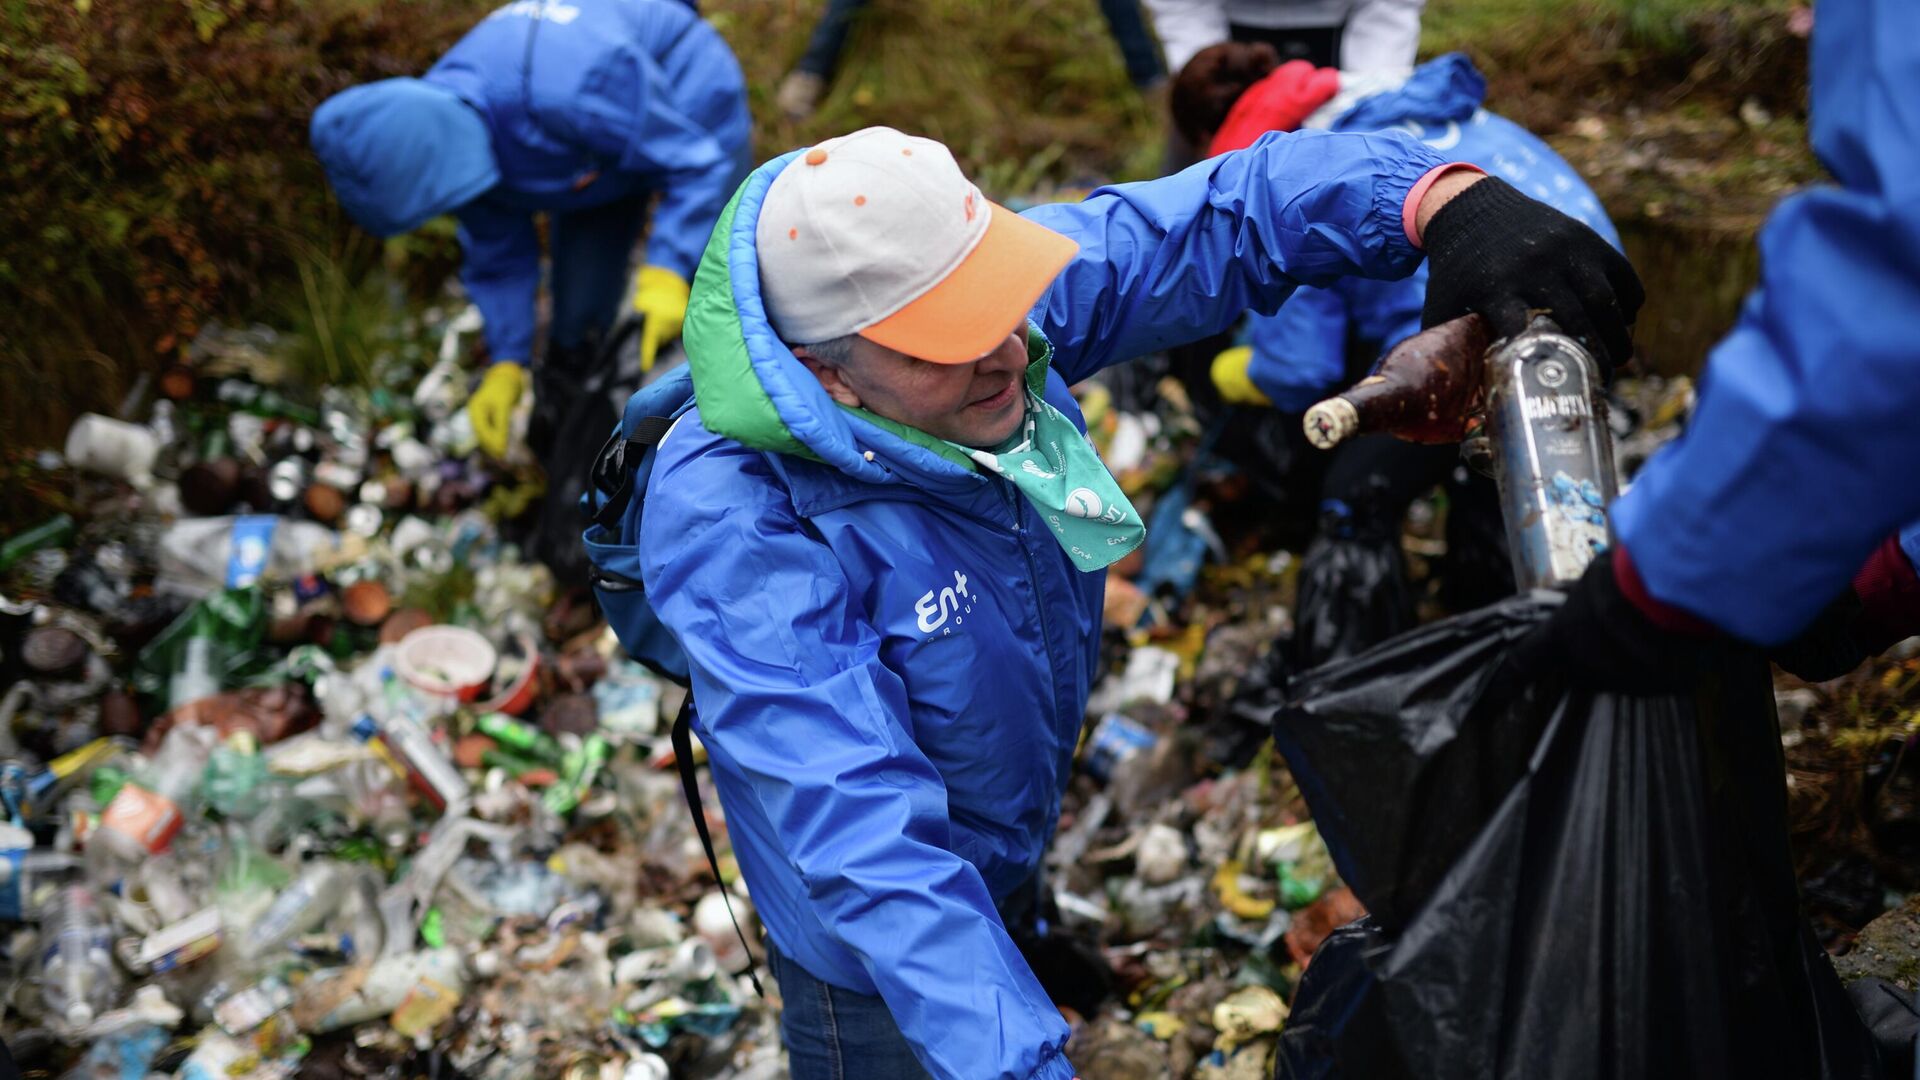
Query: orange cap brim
x=973, y=309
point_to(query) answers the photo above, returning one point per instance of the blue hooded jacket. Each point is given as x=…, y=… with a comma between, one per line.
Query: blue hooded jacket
x=545, y=106
x=1299, y=354
x=1799, y=458
x=890, y=654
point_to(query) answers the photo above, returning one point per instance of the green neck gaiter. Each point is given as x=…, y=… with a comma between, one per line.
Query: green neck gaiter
x=1061, y=474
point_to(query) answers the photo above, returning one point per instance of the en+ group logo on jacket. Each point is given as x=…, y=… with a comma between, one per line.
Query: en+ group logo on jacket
x=936, y=607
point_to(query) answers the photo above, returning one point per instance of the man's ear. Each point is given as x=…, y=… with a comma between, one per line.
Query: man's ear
x=831, y=378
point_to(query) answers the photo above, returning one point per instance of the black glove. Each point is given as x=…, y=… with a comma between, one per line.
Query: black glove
x=1495, y=251
x=1601, y=640
x=1830, y=646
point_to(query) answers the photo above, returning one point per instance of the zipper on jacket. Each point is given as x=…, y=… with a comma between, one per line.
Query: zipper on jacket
x=1039, y=601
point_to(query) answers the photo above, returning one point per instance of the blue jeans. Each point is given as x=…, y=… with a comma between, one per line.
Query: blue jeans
x=591, y=249
x=835, y=1034
x=829, y=37
x=1137, y=48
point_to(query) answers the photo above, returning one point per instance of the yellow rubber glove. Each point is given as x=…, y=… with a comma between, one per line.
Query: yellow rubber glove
x=1231, y=379
x=660, y=296
x=491, y=406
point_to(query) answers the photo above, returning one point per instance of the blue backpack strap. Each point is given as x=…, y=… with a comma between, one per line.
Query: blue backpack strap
x=682, y=735
x=613, y=506
x=619, y=478
x=618, y=464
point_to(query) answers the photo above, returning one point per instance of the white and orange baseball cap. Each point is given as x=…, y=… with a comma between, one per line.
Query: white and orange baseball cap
x=879, y=233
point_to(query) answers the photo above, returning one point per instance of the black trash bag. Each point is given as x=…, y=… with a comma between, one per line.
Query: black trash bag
x=1568, y=885
x=1353, y=595
x=1354, y=592
x=1239, y=731
x=1893, y=1016
x=1476, y=570
x=573, y=411
x=1333, y=1028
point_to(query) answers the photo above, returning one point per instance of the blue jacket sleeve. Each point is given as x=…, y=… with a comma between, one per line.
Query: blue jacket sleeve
x=1300, y=351
x=502, y=275
x=1800, y=456
x=1387, y=312
x=1167, y=261
x=688, y=208
x=625, y=110
x=793, y=696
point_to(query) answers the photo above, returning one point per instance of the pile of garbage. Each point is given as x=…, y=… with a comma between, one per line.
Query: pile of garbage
x=303, y=763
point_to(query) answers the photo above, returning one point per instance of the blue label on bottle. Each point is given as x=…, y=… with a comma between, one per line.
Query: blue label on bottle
x=252, y=543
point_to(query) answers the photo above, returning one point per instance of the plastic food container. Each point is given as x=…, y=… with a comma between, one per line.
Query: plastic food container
x=451, y=661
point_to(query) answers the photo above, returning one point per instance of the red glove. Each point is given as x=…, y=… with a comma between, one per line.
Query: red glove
x=1889, y=593
x=1882, y=607
x=1280, y=102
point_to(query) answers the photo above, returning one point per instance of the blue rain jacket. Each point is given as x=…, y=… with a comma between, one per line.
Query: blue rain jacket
x=1299, y=354
x=890, y=653
x=1799, y=458
x=399, y=151
x=580, y=103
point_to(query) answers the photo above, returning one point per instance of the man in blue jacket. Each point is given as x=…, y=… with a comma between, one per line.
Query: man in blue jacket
x=1794, y=481
x=580, y=109
x=881, y=535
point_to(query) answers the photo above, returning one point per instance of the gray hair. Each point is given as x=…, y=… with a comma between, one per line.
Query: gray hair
x=833, y=352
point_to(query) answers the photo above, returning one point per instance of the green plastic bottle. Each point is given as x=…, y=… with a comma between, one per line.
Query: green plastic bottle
x=54, y=531
x=521, y=738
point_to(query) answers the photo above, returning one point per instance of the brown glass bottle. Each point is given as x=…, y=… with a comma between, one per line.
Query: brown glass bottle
x=210, y=486
x=1426, y=389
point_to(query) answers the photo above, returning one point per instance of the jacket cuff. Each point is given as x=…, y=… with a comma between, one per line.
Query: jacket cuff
x=1056, y=1067
x=1661, y=614
x=1410, y=210
x=1889, y=593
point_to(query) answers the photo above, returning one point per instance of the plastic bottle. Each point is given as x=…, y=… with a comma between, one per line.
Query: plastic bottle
x=301, y=906
x=430, y=769
x=77, y=977
x=235, y=777
x=54, y=531
x=163, y=881
x=25, y=871
x=520, y=738
x=101, y=444
x=127, y=1050
x=147, y=811
x=195, y=673
x=387, y=984
x=199, y=555
x=246, y=878
x=261, y=401
x=1424, y=390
